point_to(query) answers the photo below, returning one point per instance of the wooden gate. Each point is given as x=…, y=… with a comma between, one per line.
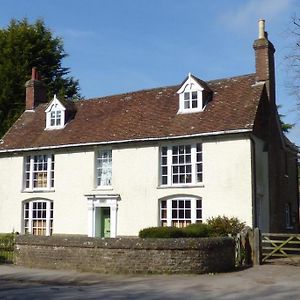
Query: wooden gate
x=280, y=245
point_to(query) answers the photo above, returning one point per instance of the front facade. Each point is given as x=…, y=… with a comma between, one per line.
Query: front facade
x=170, y=156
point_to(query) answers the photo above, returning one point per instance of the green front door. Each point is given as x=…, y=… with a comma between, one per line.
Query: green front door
x=105, y=222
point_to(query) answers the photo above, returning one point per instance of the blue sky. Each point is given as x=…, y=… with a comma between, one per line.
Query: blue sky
x=125, y=45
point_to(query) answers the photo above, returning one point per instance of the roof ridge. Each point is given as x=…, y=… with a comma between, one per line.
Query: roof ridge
x=230, y=78
x=129, y=93
x=161, y=87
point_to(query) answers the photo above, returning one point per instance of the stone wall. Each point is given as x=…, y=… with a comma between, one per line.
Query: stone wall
x=126, y=255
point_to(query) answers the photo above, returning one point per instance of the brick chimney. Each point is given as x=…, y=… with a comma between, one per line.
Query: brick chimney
x=264, y=61
x=35, y=91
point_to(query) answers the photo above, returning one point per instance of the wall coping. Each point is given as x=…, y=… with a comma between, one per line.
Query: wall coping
x=125, y=243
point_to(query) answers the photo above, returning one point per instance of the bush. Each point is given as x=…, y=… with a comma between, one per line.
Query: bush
x=7, y=239
x=197, y=230
x=223, y=226
x=161, y=232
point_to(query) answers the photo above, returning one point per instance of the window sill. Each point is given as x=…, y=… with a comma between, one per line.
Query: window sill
x=181, y=186
x=38, y=191
x=104, y=188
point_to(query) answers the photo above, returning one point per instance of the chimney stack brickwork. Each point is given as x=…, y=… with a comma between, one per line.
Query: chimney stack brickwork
x=35, y=91
x=264, y=62
x=281, y=176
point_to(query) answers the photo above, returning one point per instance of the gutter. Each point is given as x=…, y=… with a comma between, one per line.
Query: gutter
x=235, y=131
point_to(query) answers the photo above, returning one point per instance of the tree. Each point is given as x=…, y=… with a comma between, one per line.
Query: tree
x=23, y=46
x=286, y=127
x=293, y=60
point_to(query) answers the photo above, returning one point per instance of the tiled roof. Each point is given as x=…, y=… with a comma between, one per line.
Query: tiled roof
x=147, y=114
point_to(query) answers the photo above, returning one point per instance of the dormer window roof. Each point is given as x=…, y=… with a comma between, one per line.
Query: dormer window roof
x=55, y=114
x=194, y=94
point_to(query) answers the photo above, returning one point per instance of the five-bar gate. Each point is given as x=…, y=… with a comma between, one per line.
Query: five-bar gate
x=280, y=245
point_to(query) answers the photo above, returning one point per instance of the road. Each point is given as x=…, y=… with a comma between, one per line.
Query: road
x=261, y=282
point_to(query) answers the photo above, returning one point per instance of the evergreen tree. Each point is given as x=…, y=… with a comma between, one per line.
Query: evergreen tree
x=23, y=46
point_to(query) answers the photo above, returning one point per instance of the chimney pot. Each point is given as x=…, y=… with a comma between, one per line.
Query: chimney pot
x=261, y=29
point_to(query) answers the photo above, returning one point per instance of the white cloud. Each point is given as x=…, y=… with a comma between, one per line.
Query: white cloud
x=253, y=10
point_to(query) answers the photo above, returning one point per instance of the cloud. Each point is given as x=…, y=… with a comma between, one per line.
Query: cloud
x=244, y=15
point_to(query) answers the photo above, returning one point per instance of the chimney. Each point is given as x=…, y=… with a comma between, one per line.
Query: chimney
x=35, y=91
x=264, y=61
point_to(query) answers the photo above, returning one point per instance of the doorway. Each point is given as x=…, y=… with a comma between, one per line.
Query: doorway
x=105, y=222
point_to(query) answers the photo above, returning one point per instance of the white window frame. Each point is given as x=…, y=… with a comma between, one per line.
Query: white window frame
x=33, y=217
x=45, y=167
x=190, y=86
x=55, y=115
x=168, y=167
x=98, y=166
x=189, y=215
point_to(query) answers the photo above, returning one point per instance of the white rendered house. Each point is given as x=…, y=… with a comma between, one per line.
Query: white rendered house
x=168, y=156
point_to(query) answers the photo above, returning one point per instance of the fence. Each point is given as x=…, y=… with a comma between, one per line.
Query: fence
x=7, y=242
x=280, y=245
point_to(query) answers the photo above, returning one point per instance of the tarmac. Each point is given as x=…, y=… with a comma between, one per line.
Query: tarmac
x=259, y=282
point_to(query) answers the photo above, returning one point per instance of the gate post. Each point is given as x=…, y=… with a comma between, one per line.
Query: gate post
x=257, y=247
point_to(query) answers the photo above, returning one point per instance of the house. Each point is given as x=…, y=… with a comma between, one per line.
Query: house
x=167, y=156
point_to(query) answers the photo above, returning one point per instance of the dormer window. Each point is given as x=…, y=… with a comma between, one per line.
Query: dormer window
x=193, y=95
x=55, y=114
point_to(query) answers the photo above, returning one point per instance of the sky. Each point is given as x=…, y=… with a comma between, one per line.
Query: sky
x=125, y=45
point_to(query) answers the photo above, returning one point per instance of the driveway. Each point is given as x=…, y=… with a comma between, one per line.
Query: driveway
x=260, y=282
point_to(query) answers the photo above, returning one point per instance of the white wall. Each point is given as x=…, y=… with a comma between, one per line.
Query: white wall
x=226, y=189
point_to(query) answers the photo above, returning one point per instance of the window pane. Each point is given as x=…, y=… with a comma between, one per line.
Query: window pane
x=181, y=214
x=186, y=104
x=186, y=95
x=164, y=170
x=164, y=150
x=188, y=214
x=165, y=180
x=199, y=204
x=104, y=167
x=194, y=95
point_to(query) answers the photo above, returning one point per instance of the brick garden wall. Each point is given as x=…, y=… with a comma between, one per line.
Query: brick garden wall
x=126, y=255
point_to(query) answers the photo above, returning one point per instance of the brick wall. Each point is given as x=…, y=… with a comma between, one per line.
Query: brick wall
x=126, y=255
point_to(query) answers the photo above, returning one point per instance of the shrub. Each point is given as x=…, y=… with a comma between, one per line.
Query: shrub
x=7, y=239
x=222, y=226
x=197, y=230
x=161, y=232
